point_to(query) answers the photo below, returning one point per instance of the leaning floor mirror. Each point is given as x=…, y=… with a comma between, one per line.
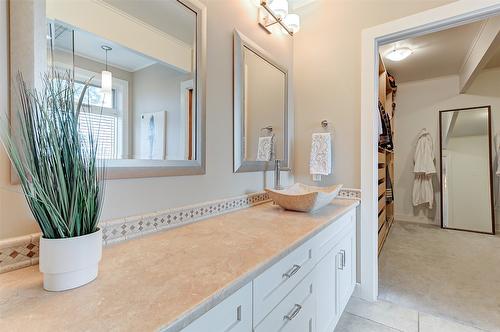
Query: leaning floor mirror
x=145, y=61
x=260, y=108
x=467, y=200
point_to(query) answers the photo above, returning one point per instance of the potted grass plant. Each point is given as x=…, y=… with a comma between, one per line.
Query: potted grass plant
x=61, y=177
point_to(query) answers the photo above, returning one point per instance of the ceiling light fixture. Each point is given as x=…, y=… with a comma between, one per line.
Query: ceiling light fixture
x=106, y=76
x=398, y=54
x=276, y=12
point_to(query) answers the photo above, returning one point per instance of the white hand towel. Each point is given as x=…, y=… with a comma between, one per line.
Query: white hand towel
x=321, y=155
x=265, y=148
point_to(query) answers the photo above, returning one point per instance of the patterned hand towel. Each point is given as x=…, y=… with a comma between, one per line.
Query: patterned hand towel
x=265, y=148
x=321, y=155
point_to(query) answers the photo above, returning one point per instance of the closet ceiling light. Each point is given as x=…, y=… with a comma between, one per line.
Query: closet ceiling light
x=399, y=54
x=276, y=12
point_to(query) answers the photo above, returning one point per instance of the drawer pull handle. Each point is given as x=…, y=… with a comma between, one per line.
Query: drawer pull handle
x=341, y=260
x=295, y=311
x=238, y=313
x=288, y=274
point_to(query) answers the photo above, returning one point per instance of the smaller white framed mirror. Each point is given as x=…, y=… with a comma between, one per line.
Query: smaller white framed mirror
x=261, y=115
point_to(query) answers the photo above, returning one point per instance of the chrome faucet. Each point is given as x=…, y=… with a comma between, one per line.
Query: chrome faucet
x=277, y=170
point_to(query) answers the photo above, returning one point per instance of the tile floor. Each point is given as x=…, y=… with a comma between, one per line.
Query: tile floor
x=442, y=273
x=382, y=316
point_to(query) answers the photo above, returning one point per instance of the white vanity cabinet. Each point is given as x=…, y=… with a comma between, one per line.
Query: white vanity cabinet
x=296, y=312
x=273, y=285
x=305, y=291
x=234, y=314
x=335, y=273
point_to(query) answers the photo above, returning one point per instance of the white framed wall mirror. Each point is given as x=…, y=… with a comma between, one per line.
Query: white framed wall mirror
x=467, y=199
x=146, y=65
x=261, y=113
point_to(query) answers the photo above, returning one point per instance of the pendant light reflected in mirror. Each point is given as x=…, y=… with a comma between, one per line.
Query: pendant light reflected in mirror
x=106, y=76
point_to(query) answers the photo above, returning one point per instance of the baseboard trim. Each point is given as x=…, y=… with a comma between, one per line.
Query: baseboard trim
x=414, y=219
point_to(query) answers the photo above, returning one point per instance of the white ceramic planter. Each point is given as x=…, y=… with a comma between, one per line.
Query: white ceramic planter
x=71, y=262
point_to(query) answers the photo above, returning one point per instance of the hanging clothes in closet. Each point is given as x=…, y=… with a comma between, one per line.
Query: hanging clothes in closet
x=389, y=193
x=385, y=138
x=424, y=169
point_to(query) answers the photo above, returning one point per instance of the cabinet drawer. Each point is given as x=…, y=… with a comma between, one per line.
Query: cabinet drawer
x=381, y=157
x=331, y=235
x=234, y=314
x=381, y=173
x=275, y=283
x=381, y=203
x=381, y=189
x=381, y=219
x=295, y=313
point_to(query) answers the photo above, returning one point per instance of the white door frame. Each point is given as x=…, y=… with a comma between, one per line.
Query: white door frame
x=440, y=18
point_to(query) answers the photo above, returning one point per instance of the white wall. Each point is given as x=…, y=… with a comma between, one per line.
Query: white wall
x=158, y=88
x=418, y=105
x=15, y=218
x=327, y=70
x=134, y=196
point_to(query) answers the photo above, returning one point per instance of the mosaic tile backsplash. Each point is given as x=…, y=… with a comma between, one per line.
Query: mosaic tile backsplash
x=22, y=251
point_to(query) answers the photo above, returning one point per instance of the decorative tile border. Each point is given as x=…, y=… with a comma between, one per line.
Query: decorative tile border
x=349, y=193
x=127, y=228
x=19, y=252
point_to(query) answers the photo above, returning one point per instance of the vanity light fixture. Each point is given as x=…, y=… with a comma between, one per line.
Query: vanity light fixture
x=279, y=8
x=276, y=12
x=398, y=54
x=106, y=76
x=292, y=21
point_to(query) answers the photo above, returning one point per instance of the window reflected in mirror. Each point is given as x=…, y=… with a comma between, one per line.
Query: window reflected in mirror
x=140, y=62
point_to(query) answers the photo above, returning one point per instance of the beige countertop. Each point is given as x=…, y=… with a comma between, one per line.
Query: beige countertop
x=165, y=280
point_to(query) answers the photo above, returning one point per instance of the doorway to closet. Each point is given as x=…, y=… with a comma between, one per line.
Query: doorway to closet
x=439, y=110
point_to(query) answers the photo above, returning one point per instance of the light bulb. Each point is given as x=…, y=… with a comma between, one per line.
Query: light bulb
x=292, y=21
x=106, y=81
x=280, y=8
x=399, y=54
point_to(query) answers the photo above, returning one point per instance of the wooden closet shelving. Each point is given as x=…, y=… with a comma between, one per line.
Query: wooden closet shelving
x=385, y=160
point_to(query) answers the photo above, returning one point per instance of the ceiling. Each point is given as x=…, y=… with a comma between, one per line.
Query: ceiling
x=437, y=54
x=296, y=4
x=88, y=45
x=168, y=16
x=494, y=62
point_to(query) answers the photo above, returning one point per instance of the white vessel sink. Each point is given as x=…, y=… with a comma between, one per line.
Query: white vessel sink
x=303, y=198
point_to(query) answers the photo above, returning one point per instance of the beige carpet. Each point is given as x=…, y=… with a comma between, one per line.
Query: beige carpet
x=442, y=272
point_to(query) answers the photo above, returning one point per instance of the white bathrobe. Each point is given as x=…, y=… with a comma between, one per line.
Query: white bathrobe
x=424, y=169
